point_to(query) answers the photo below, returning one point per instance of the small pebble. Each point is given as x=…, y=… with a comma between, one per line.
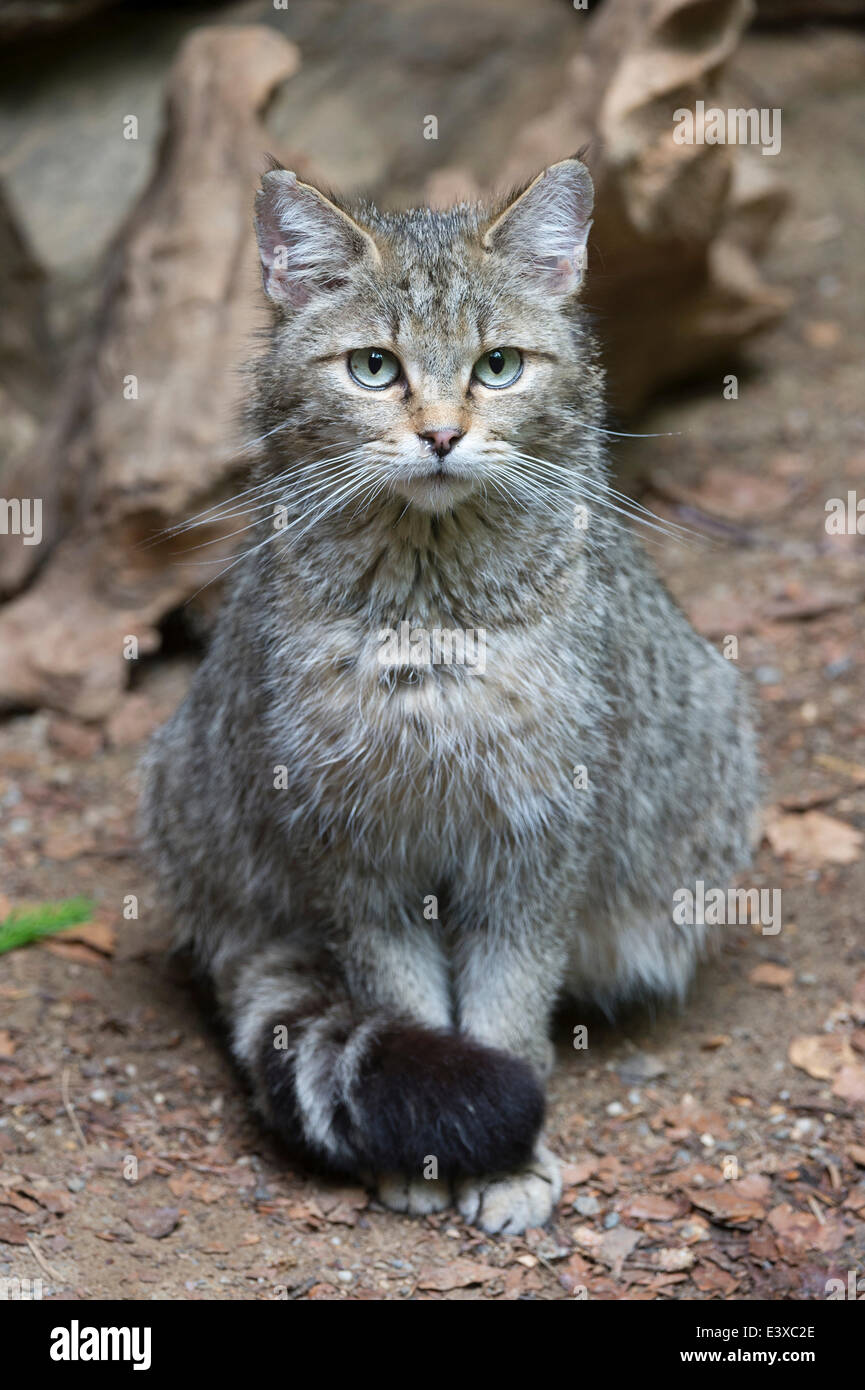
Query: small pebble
x=767, y=675
x=587, y=1206
x=833, y=669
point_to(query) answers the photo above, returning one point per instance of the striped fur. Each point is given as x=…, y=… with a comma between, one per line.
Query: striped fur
x=413, y=1035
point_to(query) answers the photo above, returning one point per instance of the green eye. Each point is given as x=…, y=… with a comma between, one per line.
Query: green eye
x=501, y=367
x=373, y=367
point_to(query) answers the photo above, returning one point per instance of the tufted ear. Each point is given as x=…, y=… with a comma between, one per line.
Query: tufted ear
x=544, y=229
x=307, y=244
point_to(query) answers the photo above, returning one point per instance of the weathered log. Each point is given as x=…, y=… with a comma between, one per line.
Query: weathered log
x=145, y=431
x=678, y=227
x=26, y=357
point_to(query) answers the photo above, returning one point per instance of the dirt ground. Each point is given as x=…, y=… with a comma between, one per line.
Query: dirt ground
x=713, y=1152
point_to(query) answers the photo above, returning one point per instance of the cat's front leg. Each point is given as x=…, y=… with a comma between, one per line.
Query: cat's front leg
x=401, y=968
x=508, y=977
x=507, y=982
x=469, y=1109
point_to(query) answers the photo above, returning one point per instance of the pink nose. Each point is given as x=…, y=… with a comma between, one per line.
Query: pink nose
x=442, y=441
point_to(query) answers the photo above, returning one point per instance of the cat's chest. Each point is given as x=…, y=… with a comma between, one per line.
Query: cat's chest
x=412, y=728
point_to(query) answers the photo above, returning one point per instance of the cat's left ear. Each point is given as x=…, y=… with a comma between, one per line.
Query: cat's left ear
x=308, y=245
x=545, y=228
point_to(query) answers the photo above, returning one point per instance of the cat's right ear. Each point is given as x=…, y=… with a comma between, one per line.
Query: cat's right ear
x=307, y=244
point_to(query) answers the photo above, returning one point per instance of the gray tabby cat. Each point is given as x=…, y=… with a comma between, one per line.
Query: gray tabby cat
x=381, y=854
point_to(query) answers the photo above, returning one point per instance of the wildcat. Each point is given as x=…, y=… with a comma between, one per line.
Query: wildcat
x=391, y=865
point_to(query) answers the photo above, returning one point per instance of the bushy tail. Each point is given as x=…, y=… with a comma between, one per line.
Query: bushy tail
x=380, y=1093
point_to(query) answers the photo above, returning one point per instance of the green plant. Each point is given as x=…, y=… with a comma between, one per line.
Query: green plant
x=23, y=926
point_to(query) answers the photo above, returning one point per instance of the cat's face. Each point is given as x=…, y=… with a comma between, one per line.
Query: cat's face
x=429, y=349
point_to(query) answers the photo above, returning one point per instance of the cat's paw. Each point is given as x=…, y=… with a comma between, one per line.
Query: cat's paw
x=416, y=1196
x=508, y=1203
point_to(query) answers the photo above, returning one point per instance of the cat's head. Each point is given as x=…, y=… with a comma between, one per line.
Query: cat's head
x=426, y=351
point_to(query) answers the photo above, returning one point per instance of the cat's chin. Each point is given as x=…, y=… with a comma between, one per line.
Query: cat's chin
x=435, y=492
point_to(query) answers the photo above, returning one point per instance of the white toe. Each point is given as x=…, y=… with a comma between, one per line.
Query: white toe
x=508, y=1203
x=417, y=1196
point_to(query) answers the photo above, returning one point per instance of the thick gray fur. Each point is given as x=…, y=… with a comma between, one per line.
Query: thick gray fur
x=306, y=803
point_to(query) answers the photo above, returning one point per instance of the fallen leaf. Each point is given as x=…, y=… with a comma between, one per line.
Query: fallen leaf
x=770, y=976
x=736, y=1203
x=790, y=608
x=850, y=1084
x=575, y=1174
x=616, y=1245
x=710, y=1279
x=64, y=846
x=855, y=771
x=7, y=1043
x=671, y=1258
x=798, y=1231
x=651, y=1207
x=52, y=1199
x=689, y=1117
x=12, y=1233
x=588, y=1239
x=344, y=1206
x=18, y=1202
x=76, y=951
x=210, y=1192
x=821, y=1055
x=180, y=1183
x=100, y=936
x=574, y=1273
x=812, y=837
x=459, y=1274
x=718, y=616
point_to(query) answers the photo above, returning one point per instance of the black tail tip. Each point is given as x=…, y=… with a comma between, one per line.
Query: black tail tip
x=426, y=1094
x=414, y=1094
